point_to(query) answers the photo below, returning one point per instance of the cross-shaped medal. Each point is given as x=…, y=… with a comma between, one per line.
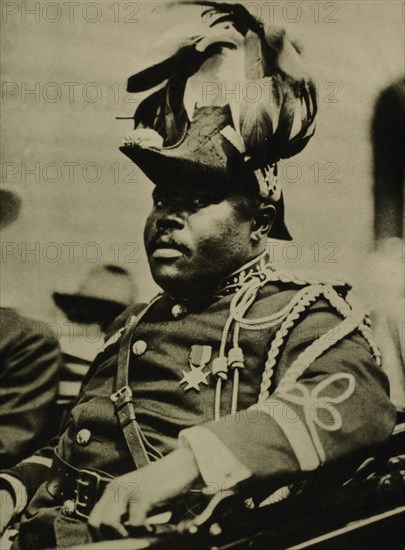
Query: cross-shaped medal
x=199, y=357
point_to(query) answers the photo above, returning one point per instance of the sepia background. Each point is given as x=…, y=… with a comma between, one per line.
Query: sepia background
x=64, y=70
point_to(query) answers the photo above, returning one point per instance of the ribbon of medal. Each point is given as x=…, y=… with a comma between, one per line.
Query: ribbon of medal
x=199, y=358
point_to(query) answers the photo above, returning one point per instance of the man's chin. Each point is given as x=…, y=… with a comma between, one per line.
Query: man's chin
x=177, y=281
x=168, y=274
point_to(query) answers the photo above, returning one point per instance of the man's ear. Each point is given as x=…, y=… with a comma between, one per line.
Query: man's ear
x=263, y=221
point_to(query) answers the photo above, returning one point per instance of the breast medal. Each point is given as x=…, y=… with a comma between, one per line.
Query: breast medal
x=199, y=358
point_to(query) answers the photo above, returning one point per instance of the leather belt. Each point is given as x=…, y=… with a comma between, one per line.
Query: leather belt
x=77, y=490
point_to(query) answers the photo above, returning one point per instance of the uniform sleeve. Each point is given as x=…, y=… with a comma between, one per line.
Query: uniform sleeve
x=337, y=405
x=29, y=375
x=23, y=479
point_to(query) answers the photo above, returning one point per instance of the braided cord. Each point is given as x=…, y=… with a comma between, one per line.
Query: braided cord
x=311, y=295
x=317, y=348
x=242, y=301
x=301, y=281
x=287, y=317
x=353, y=321
x=241, y=298
x=365, y=330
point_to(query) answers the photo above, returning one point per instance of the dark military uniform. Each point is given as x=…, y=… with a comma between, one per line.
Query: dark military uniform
x=29, y=368
x=310, y=390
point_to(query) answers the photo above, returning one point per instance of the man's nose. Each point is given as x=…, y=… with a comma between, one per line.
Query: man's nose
x=171, y=217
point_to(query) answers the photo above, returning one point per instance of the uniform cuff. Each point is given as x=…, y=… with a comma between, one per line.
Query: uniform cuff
x=18, y=492
x=294, y=430
x=218, y=466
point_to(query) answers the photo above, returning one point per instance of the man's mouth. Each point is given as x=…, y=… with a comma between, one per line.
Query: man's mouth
x=166, y=249
x=167, y=253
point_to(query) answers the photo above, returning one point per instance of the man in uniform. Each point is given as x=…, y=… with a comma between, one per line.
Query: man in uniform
x=30, y=363
x=236, y=375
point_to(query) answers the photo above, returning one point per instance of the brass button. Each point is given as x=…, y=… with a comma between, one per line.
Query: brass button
x=139, y=347
x=83, y=436
x=179, y=310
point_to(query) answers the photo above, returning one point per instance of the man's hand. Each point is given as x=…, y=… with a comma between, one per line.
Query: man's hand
x=135, y=494
x=6, y=509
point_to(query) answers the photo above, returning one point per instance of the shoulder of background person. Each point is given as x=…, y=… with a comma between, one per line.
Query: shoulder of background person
x=13, y=326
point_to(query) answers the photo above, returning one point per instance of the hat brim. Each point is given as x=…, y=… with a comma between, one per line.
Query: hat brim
x=164, y=167
x=88, y=309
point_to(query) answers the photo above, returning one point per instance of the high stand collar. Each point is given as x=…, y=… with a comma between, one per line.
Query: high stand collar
x=257, y=268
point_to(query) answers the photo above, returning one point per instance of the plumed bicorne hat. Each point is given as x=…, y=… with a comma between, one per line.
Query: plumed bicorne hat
x=233, y=99
x=101, y=296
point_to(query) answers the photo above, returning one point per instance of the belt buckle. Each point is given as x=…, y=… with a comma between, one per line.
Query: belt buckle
x=87, y=488
x=123, y=395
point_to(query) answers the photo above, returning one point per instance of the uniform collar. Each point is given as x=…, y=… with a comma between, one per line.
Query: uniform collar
x=253, y=269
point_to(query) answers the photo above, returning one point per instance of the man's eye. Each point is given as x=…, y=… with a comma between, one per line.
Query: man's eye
x=201, y=202
x=159, y=202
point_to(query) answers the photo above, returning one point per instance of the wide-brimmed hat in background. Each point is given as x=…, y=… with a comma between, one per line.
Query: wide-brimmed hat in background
x=102, y=295
x=10, y=205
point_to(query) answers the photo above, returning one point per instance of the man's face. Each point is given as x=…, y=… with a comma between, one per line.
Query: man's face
x=195, y=235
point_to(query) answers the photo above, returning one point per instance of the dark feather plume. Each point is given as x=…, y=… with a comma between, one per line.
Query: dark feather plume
x=277, y=125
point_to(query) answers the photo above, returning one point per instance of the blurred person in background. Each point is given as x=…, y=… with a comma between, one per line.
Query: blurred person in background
x=101, y=296
x=29, y=368
x=384, y=280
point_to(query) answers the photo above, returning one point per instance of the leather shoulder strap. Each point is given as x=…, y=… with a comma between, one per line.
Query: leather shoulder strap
x=122, y=397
